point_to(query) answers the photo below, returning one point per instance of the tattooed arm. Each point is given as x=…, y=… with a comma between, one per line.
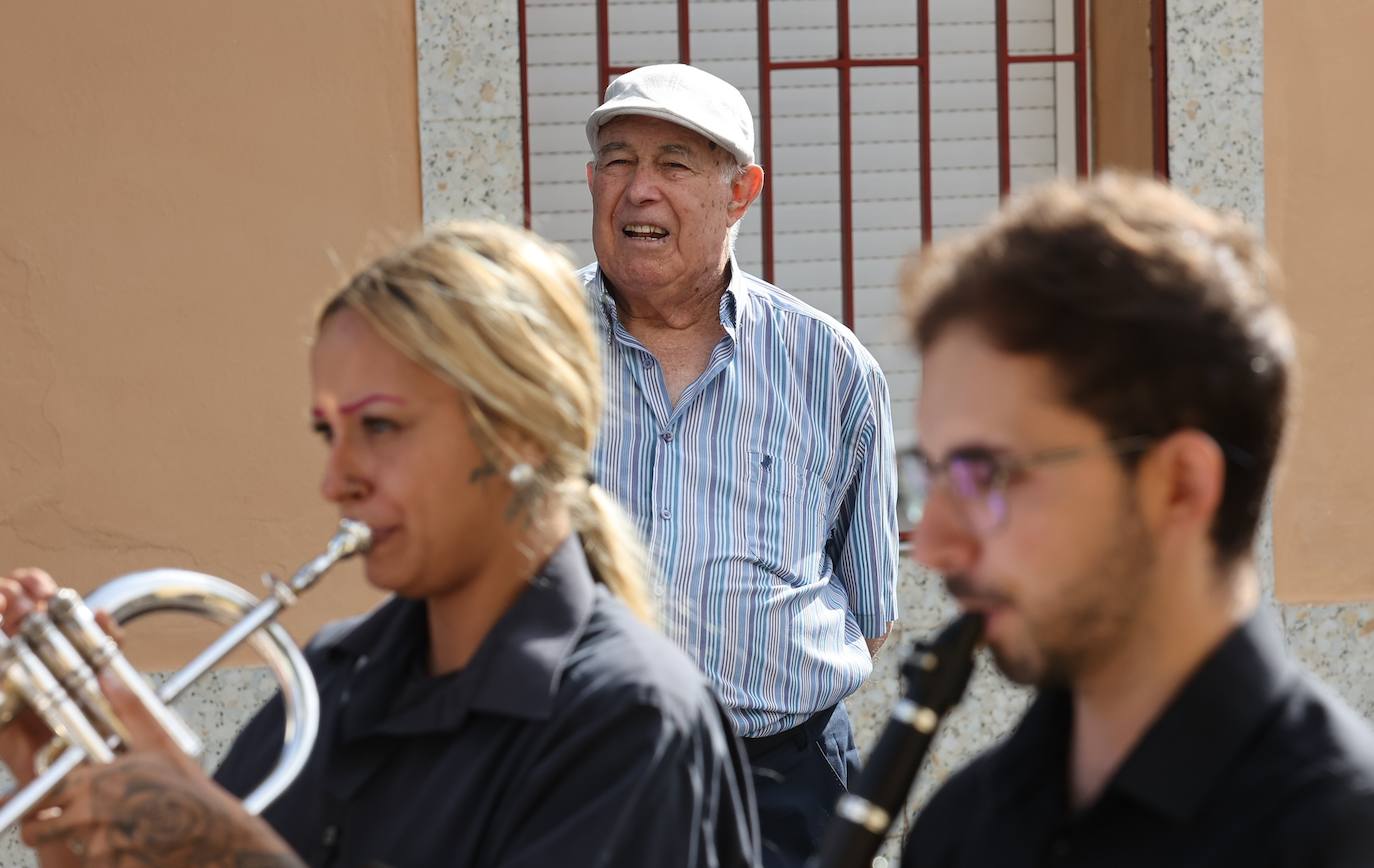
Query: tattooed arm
x=148, y=809
x=152, y=807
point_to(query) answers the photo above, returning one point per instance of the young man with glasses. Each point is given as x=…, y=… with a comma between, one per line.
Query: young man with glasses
x=1104, y=389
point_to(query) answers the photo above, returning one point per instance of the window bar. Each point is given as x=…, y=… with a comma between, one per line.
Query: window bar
x=1079, y=59
x=765, y=144
x=1003, y=102
x=1080, y=82
x=846, y=165
x=524, y=112
x=603, y=47
x=1159, y=52
x=923, y=118
x=605, y=71
x=844, y=65
x=684, y=33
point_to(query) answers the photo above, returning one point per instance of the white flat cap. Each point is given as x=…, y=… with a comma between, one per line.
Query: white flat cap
x=683, y=95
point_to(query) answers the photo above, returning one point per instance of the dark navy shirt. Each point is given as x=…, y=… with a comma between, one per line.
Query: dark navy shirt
x=1254, y=764
x=576, y=736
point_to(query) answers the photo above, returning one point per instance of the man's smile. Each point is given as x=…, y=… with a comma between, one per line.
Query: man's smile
x=644, y=232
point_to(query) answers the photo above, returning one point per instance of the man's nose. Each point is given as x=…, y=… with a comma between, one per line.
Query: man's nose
x=942, y=539
x=644, y=185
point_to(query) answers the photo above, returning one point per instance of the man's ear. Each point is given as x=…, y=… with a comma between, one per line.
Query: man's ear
x=591, y=170
x=1181, y=481
x=744, y=189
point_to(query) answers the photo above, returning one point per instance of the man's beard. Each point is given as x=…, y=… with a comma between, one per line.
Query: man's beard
x=1094, y=615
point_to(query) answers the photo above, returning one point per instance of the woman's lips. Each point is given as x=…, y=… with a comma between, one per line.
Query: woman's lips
x=380, y=535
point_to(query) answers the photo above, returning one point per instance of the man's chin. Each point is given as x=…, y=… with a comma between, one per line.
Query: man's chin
x=1026, y=667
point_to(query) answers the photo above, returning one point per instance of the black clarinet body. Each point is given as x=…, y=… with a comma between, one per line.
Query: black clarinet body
x=936, y=674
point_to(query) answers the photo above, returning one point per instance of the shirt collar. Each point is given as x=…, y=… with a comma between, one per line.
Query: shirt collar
x=733, y=302
x=516, y=671
x=1196, y=738
x=1200, y=733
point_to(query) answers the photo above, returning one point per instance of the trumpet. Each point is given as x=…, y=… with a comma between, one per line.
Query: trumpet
x=50, y=667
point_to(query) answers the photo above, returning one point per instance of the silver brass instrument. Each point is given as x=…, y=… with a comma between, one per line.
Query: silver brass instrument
x=50, y=667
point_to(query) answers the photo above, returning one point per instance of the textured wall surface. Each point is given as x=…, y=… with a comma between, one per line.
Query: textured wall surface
x=1216, y=119
x=469, y=85
x=470, y=156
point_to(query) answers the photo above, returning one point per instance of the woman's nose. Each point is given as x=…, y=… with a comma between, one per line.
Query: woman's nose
x=343, y=479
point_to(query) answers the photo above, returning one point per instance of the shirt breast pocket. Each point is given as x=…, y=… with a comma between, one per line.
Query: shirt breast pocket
x=784, y=518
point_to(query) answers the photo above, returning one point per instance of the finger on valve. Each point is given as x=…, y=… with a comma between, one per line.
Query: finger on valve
x=21, y=592
x=145, y=733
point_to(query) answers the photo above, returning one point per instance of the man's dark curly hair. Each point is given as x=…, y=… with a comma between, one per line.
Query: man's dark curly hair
x=1154, y=311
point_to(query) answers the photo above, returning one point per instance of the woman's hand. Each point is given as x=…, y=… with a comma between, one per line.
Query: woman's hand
x=153, y=806
x=22, y=592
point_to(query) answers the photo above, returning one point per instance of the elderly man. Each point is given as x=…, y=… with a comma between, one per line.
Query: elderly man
x=749, y=436
x=1104, y=391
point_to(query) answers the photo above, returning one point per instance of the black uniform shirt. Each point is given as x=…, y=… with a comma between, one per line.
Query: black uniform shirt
x=1253, y=764
x=576, y=736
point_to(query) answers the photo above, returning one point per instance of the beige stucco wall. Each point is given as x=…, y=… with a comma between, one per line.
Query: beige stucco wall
x=1320, y=188
x=179, y=184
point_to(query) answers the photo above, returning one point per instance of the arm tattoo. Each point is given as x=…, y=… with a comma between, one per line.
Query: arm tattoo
x=159, y=818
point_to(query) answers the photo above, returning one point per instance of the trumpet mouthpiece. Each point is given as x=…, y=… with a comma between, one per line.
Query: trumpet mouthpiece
x=354, y=537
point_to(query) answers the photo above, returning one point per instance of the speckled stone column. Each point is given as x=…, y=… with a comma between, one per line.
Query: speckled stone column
x=469, y=86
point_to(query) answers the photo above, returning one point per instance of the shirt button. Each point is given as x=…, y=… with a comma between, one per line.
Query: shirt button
x=665, y=513
x=648, y=361
x=330, y=836
x=667, y=436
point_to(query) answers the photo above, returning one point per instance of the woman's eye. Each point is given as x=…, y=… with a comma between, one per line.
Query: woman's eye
x=378, y=425
x=323, y=431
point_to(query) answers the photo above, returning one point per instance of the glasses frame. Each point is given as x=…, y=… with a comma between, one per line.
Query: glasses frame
x=1005, y=466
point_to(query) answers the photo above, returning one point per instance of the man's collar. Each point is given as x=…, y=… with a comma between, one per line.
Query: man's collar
x=1198, y=735
x=516, y=670
x=1175, y=764
x=733, y=301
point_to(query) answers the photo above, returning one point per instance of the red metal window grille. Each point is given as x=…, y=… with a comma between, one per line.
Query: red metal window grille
x=881, y=125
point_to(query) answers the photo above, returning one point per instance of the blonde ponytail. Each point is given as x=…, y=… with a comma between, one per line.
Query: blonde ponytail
x=613, y=549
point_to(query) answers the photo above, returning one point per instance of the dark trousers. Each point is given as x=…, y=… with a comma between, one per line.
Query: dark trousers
x=799, y=774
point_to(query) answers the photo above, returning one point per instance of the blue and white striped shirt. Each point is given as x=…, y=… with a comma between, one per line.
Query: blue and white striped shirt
x=766, y=495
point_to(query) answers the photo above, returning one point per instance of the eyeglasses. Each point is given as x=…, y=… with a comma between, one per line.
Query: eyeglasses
x=978, y=477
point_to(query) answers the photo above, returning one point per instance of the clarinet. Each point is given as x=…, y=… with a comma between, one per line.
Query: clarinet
x=936, y=674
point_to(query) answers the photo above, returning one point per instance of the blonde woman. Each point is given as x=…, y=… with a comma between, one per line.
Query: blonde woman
x=510, y=704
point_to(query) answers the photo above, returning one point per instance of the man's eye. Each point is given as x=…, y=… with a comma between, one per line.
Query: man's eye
x=975, y=471
x=323, y=431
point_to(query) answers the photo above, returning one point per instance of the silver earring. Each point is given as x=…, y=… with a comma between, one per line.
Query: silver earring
x=520, y=475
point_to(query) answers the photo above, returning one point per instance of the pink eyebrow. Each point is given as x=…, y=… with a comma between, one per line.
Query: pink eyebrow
x=353, y=407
